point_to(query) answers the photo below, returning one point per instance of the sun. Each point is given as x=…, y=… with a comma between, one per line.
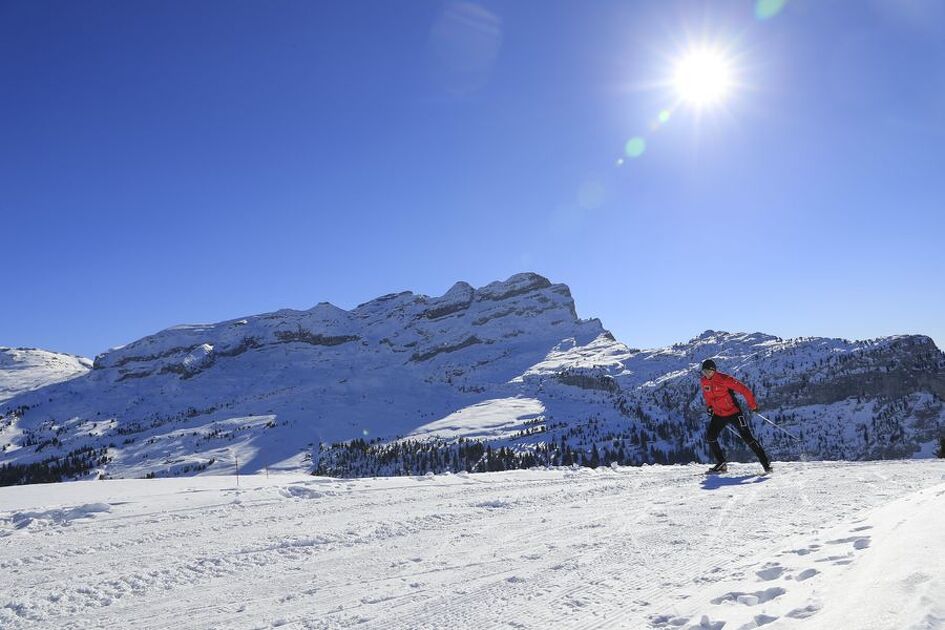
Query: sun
x=703, y=77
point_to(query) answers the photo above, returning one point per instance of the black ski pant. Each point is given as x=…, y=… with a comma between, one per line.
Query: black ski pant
x=718, y=424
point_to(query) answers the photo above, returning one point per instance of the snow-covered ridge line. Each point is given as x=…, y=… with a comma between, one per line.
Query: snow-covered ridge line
x=25, y=369
x=326, y=321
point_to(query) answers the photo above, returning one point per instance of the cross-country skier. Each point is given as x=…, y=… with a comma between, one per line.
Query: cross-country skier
x=719, y=389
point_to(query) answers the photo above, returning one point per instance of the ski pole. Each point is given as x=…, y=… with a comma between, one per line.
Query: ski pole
x=777, y=427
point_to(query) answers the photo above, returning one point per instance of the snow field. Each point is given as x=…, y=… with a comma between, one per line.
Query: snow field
x=25, y=369
x=813, y=545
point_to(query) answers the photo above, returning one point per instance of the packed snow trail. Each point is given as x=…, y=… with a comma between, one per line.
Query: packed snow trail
x=607, y=548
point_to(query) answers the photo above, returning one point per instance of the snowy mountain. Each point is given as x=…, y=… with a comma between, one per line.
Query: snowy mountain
x=503, y=376
x=814, y=546
x=25, y=369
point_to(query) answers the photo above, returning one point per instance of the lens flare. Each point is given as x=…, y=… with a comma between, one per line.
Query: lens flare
x=767, y=9
x=703, y=77
x=591, y=194
x=635, y=147
x=664, y=116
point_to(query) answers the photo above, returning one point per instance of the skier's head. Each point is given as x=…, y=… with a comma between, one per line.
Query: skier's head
x=708, y=367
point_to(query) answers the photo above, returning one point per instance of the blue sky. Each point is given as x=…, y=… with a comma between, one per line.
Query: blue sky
x=178, y=162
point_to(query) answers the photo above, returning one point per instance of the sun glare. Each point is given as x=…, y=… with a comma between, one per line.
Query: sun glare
x=703, y=77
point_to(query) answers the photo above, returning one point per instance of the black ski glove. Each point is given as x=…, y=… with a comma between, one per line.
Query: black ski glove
x=709, y=410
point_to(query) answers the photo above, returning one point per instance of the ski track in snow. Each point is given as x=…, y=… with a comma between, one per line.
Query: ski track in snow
x=658, y=547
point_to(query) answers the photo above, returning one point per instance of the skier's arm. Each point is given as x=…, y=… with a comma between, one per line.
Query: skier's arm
x=733, y=383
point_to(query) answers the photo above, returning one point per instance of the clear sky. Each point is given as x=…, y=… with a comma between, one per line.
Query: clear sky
x=180, y=162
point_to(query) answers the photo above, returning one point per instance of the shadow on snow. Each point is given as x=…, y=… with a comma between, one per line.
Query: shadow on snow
x=713, y=482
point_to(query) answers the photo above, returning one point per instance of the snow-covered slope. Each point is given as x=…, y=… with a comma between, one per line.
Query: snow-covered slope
x=503, y=376
x=601, y=402
x=816, y=545
x=265, y=389
x=25, y=369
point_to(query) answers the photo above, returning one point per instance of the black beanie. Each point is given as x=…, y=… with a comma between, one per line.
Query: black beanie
x=708, y=364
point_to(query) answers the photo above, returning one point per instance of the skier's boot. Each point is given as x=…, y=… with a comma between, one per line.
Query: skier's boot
x=721, y=467
x=767, y=467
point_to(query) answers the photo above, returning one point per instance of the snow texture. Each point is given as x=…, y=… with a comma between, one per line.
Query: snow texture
x=26, y=369
x=816, y=545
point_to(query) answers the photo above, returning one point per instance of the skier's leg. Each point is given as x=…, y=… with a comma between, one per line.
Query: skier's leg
x=715, y=428
x=745, y=432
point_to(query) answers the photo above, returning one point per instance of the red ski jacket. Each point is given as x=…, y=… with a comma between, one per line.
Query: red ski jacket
x=717, y=392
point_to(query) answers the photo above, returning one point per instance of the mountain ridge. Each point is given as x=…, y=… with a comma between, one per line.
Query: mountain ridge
x=509, y=365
